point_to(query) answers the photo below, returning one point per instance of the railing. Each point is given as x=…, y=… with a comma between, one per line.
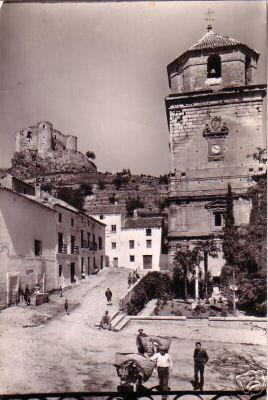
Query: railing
x=148, y=394
x=62, y=249
x=75, y=250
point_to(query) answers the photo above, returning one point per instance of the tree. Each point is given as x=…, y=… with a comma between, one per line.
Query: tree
x=244, y=249
x=186, y=260
x=74, y=197
x=163, y=179
x=101, y=185
x=90, y=154
x=86, y=189
x=119, y=180
x=209, y=248
x=132, y=204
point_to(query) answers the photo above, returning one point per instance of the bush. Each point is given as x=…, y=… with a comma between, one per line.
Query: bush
x=132, y=204
x=153, y=285
x=74, y=197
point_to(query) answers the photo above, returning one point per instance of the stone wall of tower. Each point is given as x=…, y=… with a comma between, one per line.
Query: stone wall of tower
x=71, y=143
x=44, y=137
x=192, y=75
x=243, y=116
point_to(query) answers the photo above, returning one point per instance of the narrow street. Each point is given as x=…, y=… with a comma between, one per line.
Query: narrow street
x=69, y=353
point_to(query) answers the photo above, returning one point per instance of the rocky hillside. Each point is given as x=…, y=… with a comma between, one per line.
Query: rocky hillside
x=28, y=164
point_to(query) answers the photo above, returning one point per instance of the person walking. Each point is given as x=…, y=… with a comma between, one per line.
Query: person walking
x=109, y=296
x=129, y=280
x=66, y=306
x=200, y=360
x=164, y=364
x=60, y=291
x=27, y=295
x=140, y=341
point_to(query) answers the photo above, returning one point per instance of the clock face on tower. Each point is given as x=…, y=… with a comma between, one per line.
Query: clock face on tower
x=215, y=149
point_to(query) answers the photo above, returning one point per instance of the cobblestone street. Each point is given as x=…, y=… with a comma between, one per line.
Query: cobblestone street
x=68, y=353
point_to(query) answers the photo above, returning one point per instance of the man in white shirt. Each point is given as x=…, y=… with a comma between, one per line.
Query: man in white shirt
x=163, y=364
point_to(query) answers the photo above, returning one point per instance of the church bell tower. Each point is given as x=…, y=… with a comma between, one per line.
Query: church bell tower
x=214, y=114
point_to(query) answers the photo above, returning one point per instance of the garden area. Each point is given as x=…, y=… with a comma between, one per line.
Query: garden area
x=191, y=291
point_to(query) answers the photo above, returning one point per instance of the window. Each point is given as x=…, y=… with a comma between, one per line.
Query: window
x=72, y=222
x=214, y=66
x=37, y=247
x=148, y=244
x=101, y=217
x=100, y=243
x=113, y=245
x=148, y=232
x=82, y=239
x=131, y=244
x=113, y=228
x=60, y=217
x=60, y=242
x=60, y=270
x=131, y=258
x=72, y=244
x=217, y=218
x=88, y=239
x=247, y=70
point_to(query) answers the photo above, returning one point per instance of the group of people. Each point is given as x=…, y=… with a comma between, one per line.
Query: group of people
x=132, y=278
x=164, y=362
x=105, y=322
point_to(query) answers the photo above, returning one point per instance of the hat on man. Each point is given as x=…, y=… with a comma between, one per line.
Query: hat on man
x=140, y=330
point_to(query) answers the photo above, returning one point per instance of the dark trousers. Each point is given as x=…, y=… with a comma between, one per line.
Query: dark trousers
x=163, y=375
x=141, y=350
x=199, y=368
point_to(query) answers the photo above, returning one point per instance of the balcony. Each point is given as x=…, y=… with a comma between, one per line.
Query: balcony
x=62, y=249
x=93, y=246
x=75, y=250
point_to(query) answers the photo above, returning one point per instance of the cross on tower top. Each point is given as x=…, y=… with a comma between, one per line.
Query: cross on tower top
x=209, y=18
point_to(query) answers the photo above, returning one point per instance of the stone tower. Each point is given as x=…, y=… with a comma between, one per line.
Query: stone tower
x=214, y=115
x=44, y=132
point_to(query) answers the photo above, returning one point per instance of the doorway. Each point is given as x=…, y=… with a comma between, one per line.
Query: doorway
x=72, y=272
x=115, y=262
x=147, y=262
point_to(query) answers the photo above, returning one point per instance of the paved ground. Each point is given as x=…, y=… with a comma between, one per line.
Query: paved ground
x=68, y=353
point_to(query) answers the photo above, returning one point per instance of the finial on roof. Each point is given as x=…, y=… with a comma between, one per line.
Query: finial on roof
x=209, y=19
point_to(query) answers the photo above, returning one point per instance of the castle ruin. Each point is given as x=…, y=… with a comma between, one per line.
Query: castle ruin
x=43, y=138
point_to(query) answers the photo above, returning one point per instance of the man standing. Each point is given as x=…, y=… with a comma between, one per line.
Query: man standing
x=66, y=306
x=109, y=296
x=27, y=296
x=200, y=360
x=163, y=364
x=140, y=341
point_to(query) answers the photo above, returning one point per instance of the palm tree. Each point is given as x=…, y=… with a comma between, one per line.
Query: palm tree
x=186, y=260
x=209, y=248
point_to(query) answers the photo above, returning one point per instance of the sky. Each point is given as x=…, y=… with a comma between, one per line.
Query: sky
x=98, y=71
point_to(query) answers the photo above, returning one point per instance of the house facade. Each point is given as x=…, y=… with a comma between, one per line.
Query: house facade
x=44, y=241
x=215, y=124
x=135, y=243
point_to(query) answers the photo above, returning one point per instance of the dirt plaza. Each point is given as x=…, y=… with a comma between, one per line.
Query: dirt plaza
x=43, y=350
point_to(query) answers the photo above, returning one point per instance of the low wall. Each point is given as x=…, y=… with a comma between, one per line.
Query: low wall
x=124, y=300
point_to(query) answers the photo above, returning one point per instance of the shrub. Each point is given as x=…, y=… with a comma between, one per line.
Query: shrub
x=153, y=285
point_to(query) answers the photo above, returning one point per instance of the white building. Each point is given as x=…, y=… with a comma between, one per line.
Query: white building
x=44, y=241
x=132, y=242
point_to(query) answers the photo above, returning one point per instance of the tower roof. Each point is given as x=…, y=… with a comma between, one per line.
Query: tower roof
x=212, y=41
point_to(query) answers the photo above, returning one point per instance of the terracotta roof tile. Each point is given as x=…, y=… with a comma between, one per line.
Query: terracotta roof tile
x=143, y=223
